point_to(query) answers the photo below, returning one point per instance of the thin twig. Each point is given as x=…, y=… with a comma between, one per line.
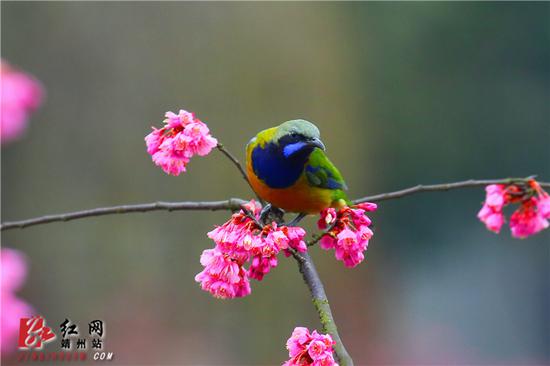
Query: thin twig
x=316, y=238
x=320, y=301
x=235, y=203
x=442, y=187
x=237, y=164
x=230, y=204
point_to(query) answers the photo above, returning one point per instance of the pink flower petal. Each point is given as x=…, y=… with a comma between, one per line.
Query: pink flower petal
x=20, y=95
x=182, y=137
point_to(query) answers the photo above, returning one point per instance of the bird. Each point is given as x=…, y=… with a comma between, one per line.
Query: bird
x=287, y=167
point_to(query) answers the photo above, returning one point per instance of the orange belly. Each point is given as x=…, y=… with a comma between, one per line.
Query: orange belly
x=301, y=197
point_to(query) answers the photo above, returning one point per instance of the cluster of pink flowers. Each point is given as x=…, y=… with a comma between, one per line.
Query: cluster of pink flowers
x=305, y=348
x=182, y=137
x=13, y=269
x=531, y=216
x=239, y=241
x=21, y=94
x=347, y=231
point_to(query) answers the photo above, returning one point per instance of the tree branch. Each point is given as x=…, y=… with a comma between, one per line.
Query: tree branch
x=239, y=167
x=443, y=187
x=305, y=263
x=234, y=203
x=320, y=301
x=230, y=204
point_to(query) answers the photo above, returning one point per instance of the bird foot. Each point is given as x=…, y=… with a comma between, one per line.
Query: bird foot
x=271, y=213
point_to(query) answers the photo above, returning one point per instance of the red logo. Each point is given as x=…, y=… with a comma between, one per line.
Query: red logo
x=33, y=333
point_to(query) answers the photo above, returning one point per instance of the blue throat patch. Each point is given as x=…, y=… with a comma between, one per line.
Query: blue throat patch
x=279, y=168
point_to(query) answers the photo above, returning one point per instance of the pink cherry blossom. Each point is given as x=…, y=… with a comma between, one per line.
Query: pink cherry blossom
x=183, y=136
x=273, y=240
x=327, y=219
x=222, y=276
x=347, y=232
x=264, y=253
x=13, y=268
x=242, y=240
x=543, y=206
x=297, y=342
x=305, y=348
x=349, y=248
x=20, y=95
x=491, y=212
x=240, y=234
x=492, y=218
x=295, y=237
x=260, y=266
x=527, y=219
x=368, y=206
x=496, y=196
x=531, y=216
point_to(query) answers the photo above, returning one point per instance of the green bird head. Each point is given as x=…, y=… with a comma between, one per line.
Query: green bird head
x=296, y=135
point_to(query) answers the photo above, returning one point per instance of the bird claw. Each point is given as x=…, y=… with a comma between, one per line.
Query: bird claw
x=269, y=211
x=265, y=210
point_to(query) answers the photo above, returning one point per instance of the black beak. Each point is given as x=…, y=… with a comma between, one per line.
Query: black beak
x=317, y=143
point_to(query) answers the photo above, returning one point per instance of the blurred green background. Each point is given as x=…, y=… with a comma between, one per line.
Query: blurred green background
x=404, y=93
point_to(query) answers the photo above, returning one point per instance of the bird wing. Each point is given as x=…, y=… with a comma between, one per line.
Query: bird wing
x=320, y=172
